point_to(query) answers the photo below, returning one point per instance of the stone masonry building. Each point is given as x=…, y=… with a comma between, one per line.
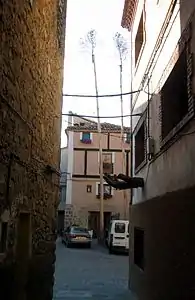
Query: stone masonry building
x=31, y=76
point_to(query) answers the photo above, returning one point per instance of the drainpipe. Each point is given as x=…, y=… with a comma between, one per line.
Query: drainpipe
x=131, y=120
x=131, y=164
x=148, y=110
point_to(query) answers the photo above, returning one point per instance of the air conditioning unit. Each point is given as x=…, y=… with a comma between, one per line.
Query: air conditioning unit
x=150, y=147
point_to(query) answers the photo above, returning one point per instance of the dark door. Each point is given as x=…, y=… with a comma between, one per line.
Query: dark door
x=107, y=218
x=93, y=222
x=23, y=237
x=60, y=221
x=23, y=252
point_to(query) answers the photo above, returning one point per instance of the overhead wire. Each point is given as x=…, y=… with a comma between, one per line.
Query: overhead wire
x=100, y=96
x=102, y=117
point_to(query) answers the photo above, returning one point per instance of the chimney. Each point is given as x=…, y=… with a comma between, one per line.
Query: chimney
x=70, y=118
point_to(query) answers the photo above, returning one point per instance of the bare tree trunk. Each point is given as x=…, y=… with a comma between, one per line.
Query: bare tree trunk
x=122, y=48
x=100, y=155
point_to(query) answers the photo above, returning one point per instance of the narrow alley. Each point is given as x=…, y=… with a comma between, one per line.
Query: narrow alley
x=90, y=274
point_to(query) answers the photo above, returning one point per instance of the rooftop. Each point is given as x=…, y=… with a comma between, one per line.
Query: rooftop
x=129, y=12
x=92, y=127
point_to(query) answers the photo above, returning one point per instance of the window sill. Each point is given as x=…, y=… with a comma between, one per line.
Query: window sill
x=144, y=162
x=86, y=141
x=105, y=197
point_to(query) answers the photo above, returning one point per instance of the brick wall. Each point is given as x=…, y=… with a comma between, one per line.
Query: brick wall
x=31, y=73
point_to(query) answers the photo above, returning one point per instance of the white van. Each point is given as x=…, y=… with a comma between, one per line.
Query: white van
x=118, y=236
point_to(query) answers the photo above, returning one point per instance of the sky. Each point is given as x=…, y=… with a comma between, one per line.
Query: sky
x=105, y=17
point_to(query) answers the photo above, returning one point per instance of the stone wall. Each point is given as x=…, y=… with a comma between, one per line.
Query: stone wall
x=31, y=76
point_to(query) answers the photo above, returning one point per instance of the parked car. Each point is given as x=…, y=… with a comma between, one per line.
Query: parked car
x=75, y=235
x=118, y=236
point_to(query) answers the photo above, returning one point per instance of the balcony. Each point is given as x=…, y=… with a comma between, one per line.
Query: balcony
x=108, y=168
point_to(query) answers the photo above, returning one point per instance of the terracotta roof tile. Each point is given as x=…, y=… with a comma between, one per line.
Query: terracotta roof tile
x=106, y=127
x=129, y=12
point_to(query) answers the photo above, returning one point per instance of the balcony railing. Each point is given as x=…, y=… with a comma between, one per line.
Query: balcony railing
x=86, y=141
x=106, y=196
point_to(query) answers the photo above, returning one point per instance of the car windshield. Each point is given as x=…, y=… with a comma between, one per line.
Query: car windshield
x=119, y=227
x=79, y=230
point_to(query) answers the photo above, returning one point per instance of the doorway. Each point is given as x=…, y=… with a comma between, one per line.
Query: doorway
x=23, y=247
x=94, y=222
x=23, y=252
x=60, y=221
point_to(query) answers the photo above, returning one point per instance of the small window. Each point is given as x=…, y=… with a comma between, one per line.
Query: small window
x=120, y=228
x=139, y=247
x=174, y=96
x=82, y=124
x=86, y=137
x=139, y=39
x=107, y=191
x=79, y=230
x=140, y=146
x=89, y=188
x=3, y=239
x=127, y=138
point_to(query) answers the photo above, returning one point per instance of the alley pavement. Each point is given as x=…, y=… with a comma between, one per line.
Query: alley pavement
x=90, y=274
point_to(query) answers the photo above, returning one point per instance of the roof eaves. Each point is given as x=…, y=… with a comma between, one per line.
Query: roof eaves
x=129, y=12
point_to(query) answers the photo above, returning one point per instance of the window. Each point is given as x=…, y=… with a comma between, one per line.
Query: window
x=120, y=228
x=79, y=230
x=139, y=247
x=3, y=237
x=140, y=146
x=174, y=96
x=127, y=137
x=86, y=137
x=107, y=191
x=139, y=39
x=107, y=163
x=62, y=193
x=89, y=188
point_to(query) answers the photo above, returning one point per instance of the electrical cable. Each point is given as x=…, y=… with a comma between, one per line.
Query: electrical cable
x=103, y=117
x=187, y=133
x=100, y=96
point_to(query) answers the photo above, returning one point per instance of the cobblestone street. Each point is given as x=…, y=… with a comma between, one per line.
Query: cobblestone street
x=90, y=274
